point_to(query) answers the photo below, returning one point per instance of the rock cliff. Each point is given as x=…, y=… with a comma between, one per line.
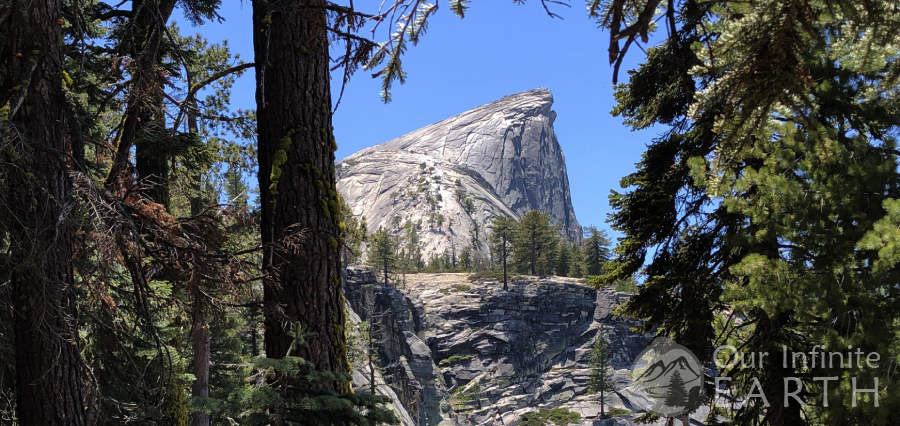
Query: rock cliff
x=467, y=353
x=452, y=177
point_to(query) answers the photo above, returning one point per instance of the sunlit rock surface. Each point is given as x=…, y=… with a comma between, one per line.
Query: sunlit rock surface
x=464, y=353
x=502, y=157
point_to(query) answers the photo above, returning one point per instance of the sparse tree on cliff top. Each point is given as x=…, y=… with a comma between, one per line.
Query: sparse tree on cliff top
x=502, y=235
x=596, y=251
x=382, y=252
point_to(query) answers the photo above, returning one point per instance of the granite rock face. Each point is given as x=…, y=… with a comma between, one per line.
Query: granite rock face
x=461, y=353
x=454, y=176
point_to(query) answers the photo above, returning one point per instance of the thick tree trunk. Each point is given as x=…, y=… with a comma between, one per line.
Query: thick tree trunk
x=48, y=373
x=297, y=182
x=144, y=123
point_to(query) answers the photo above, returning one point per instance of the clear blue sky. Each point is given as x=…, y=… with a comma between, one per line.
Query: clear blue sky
x=500, y=48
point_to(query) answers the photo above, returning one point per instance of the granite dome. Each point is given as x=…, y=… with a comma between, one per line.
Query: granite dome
x=454, y=176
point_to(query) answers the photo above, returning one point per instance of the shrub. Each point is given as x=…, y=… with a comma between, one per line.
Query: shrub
x=616, y=412
x=454, y=359
x=461, y=287
x=545, y=416
x=486, y=276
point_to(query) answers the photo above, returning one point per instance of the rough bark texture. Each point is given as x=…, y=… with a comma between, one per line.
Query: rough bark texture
x=144, y=122
x=297, y=183
x=200, y=338
x=48, y=376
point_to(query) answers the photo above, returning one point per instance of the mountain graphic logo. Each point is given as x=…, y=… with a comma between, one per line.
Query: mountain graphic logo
x=670, y=375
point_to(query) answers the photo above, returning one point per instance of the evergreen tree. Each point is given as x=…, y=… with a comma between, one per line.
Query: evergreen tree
x=42, y=236
x=596, y=251
x=600, y=379
x=535, y=242
x=576, y=270
x=765, y=192
x=503, y=233
x=354, y=234
x=563, y=263
x=465, y=259
x=382, y=252
x=299, y=202
x=299, y=395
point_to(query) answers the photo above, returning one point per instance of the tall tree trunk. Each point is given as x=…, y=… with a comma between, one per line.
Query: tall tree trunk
x=602, y=401
x=505, y=255
x=200, y=338
x=48, y=373
x=200, y=363
x=144, y=126
x=297, y=182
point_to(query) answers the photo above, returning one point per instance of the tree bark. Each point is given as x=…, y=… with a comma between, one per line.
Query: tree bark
x=48, y=372
x=505, y=255
x=297, y=181
x=144, y=123
x=200, y=338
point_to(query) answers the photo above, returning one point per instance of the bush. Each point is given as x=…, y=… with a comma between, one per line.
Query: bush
x=461, y=287
x=486, y=276
x=616, y=412
x=545, y=416
x=453, y=359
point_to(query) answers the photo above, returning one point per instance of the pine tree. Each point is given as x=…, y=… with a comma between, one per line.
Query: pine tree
x=465, y=258
x=535, y=242
x=564, y=261
x=299, y=202
x=354, y=234
x=596, y=251
x=600, y=378
x=310, y=398
x=36, y=219
x=576, y=270
x=382, y=252
x=766, y=191
x=503, y=231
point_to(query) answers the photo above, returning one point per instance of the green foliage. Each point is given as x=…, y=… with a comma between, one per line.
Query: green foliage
x=460, y=288
x=576, y=262
x=455, y=359
x=461, y=397
x=535, y=244
x=354, y=232
x=487, y=275
x=546, y=416
x=292, y=389
x=614, y=412
x=409, y=258
x=382, y=252
x=627, y=285
x=600, y=378
x=596, y=251
x=564, y=260
x=770, y=197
